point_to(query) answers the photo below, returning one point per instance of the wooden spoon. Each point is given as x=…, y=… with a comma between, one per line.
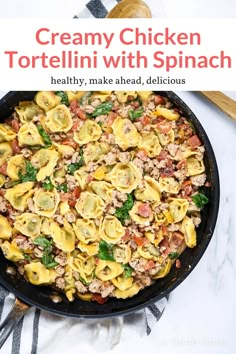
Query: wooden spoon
x=130, y=9
x=223, y=102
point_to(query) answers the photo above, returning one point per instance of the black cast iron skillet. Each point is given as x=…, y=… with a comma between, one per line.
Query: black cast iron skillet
x=40, y=296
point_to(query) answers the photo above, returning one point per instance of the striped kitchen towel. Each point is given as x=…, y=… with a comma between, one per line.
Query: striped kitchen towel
x=39, y=332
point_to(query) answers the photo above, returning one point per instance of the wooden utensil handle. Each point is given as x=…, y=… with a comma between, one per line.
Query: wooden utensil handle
x=223, y=102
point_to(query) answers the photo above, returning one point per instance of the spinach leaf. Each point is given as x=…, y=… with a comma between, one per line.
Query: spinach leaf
x=46, y=138
x=133, y=115
x=200, y=200
x=122, y=213
x=48, y=260
x=127, y=270
x=83, y=281
x=47, y=184
x=27, y=257
x=64, y=97
x=103, y=108
x=30, y=173
x=84, y=99
x=43, y=242
x=106, y=251
x=62, y=187
x=173, y=255
x=71, y=168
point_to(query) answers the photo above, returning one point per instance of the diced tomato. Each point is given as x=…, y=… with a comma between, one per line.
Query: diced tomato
x=181, y=164
x=73, y=105
x=164, y=229
x=159, y=100
x=15, y=125
x=144, y=210
x=165, y=243
x=145, y=120
x=15, y=146
x=168, y=171
x=194, y=141
x=2, y=192
x=186, y=183
x=126, y=236
x=176, y=239
x=80, y=113
x=112, y=116
x=3, y=168
x=97, y=297
x=90, y=178
x=139, y=240
x=162, y=156
x=130, y=98
x=164, y=127
x=158, y=120
x=142, y=155
x=75, y=125
x=69, y=142
x=186, y=128
x=177, y=263
x=135, y=104
x=76, y=193
x=149, y=265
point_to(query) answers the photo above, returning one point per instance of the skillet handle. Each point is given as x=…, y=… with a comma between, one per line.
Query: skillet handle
x=17, y=312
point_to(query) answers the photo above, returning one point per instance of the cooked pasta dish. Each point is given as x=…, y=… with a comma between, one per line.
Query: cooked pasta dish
x=100, y=192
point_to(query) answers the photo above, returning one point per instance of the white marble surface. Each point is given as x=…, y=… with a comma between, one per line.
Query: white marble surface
x=201, y=315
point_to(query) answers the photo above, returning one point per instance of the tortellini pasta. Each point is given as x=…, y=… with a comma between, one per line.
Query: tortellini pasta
x=28, y=224
x=125, y=177
x=107, y=270
x=178, y=209
x=46, y=202
x=63, y=237
x=136, y=216
x=85, y=266
x=126, y=134
x=19, y=194
x=95, y=151
x=150, y=143
x=194, y=166
x=111, y=229
x=15, y=165
x=102, y=189
x=188, y=229
x=81, y=175
x=75, y=95
x=5, y=228
x=45, y=160
x=130, y=292
x=6, y=133
x=85, y=230
x=27, y=110
x=90, y=131
x=150, y=191
x=169, y=184
x=166, y=113
x=122, y=253
x=29, y=135
x=122, y=283
x=90, y=205
x=164, y=270
x=37, y=273
x=59, y=119
x=5, y=152
x=122, y=96
x=11, y=251
x=47, y=100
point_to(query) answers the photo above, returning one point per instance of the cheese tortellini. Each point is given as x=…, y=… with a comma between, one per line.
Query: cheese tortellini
x=126, y=134
x=29, y=135
x=59, y=119
x=28, y=224
x=19, y=195
x=125, y=177
x=90, y=205
x=90, y=131
x=46, y=202
x=6, y=133
x=111, y=229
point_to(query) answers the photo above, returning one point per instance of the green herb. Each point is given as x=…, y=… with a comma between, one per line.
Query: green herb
x=123, y=213
x=133, y=115
x=46, y=138
x=103, y=108
x=64, y=97
x=30, y=173
x=127, y=270
x=48, y=258
x=173, y=255
x=43, y=242
x=100, y=123
x=47, y=184
x=27, y=257
x=200, y=200
x=106, y=251
x=84, y=98
x=62, y=187
x=83, y=281
x=71, y=168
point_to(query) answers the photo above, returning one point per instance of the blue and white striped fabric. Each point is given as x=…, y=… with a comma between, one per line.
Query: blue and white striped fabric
x=42, y=333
